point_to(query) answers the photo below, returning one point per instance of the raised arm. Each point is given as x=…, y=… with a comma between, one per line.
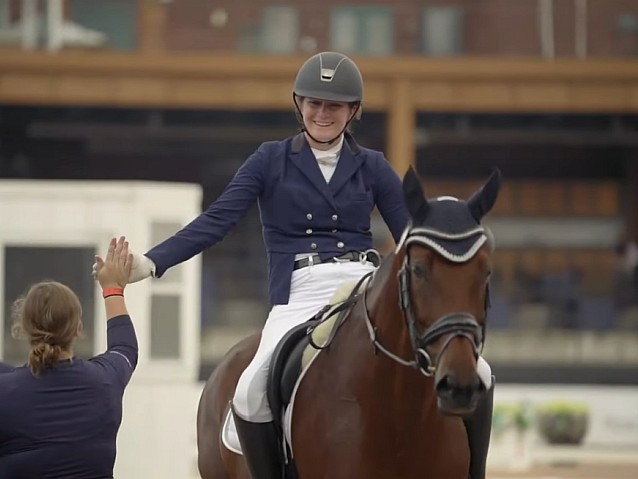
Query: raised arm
x=216, y=221
x=113, y=272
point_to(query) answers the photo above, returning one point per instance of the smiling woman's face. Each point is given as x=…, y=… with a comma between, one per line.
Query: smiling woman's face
x=324, y=120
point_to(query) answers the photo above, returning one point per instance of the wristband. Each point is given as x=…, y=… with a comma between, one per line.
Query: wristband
x=112, y=292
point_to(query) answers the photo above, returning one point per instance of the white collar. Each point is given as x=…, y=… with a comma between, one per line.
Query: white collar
x=330, y=152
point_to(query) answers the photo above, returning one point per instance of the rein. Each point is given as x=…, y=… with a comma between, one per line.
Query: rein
x=375, y=341
x=342, y=309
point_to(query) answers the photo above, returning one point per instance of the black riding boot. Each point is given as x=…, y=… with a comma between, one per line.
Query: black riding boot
x=260, y=447
x=479, y=427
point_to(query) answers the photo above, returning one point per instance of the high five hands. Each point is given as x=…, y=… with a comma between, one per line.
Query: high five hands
x=114, y=270
x=140, y=267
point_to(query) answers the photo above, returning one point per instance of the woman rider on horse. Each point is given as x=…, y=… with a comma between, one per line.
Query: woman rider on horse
x=316, y=193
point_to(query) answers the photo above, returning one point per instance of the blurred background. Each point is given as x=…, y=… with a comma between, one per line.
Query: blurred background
x=131, y=116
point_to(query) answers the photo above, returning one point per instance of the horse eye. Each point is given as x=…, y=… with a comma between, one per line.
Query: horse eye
x=418, y=270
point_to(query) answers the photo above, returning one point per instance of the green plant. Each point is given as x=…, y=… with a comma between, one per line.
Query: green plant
x=516, y=415
x=523, y=416
x=562, y=422
x=563, y=407
x=501, y=418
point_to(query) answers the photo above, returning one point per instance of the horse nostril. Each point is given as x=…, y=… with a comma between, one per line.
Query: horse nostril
x=450, y=383
x=456, y=398
x=447, y=383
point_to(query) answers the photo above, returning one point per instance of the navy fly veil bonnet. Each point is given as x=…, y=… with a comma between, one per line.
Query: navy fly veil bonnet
x=448, y=225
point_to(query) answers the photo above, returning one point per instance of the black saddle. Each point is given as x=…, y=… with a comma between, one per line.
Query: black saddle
x=285, y=364
x=285, y=367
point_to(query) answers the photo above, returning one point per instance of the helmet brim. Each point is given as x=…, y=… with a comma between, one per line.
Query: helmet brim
x=322, y=95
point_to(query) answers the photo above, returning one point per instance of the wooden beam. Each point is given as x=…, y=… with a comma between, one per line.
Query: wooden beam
x=401, y=127
x=236, y=81
x=409, y=68
x=151, y=26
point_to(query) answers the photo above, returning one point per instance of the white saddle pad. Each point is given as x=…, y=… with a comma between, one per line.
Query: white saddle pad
x=231, y=439
x=229, y=434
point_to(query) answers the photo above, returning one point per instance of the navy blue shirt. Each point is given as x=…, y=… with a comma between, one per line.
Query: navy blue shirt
x=64, y=423
x=6, y=368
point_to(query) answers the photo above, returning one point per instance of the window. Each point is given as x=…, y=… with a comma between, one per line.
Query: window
x=165, y=326
x=362, y=30
x=25, y=266
x=160, y=231
x=166, y=313
x=116, y=19
x=279, y=29
x=442, y=31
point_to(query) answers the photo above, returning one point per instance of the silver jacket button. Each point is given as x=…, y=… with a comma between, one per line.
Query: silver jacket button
x=313, y=245
x=309, y=216
x=308, y=231
x=335, y=217
x=340, y=244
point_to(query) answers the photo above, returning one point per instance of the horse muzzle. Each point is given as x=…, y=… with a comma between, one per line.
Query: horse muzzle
x=456, y=399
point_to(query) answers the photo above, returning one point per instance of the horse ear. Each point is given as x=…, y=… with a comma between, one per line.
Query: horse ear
x=483, y=200
x=414, y=197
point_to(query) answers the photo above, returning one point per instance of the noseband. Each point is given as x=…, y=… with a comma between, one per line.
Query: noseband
x=452, y=325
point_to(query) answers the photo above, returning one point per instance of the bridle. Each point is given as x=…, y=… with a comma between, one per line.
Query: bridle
x=452, y=325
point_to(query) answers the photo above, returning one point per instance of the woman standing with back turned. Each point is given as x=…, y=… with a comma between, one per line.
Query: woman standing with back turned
x=59, y=415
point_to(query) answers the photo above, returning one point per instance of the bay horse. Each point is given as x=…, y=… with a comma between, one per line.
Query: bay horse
x=386, y=395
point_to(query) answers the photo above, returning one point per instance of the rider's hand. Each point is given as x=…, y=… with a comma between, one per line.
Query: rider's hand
x=141, y=268
x=114, y=270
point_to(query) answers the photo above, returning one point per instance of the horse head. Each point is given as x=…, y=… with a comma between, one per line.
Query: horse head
x=444, y=293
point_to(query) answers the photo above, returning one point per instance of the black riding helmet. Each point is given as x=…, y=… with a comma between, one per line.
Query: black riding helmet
x=329, y=76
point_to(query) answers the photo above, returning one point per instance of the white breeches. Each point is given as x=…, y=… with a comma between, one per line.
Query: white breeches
x=311, y=288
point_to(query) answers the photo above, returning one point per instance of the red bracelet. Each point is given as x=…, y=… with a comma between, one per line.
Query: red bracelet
x=112, y=292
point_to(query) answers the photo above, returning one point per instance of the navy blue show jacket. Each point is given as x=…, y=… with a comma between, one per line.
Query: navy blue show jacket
x=300, y=211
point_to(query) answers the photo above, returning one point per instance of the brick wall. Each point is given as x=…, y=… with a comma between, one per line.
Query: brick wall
x=491, y=27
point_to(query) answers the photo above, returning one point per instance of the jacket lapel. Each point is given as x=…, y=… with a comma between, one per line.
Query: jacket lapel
x=302, y=157
x=349, y=162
